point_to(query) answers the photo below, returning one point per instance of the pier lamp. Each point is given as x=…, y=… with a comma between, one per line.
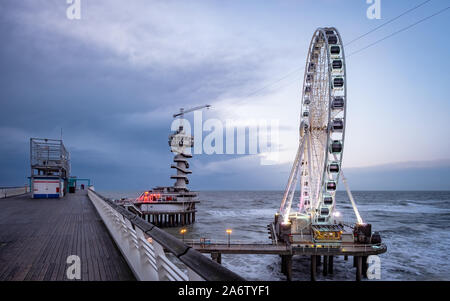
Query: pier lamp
x=182, y=232
x=229, y=235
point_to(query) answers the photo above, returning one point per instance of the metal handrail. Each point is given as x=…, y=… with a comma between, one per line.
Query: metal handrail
x=12, y=187
x=246, y=242
x=146, y=244
x=13, y=191
x=190, y=241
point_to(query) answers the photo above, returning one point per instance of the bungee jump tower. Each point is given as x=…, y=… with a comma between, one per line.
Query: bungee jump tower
x=172, y=206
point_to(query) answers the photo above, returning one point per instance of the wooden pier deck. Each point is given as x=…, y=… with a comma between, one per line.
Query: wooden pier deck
x=37, y=236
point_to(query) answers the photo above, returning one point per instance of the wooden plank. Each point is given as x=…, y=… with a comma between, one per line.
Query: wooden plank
x=37, y=236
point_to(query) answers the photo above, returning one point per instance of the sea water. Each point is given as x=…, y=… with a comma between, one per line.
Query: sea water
x=414, y=225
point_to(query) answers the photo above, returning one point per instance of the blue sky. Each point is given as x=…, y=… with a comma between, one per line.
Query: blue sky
x=113, y=79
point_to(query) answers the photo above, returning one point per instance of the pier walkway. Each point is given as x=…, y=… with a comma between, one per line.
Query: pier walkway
x=345, y=249
x=37, y=236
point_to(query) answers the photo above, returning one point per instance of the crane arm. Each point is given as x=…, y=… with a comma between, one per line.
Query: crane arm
x=182, y=111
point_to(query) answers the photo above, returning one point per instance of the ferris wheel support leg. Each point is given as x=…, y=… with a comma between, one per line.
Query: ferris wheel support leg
x=291, y=177
x=288, y=195
x=309, y=173
x=350, y=196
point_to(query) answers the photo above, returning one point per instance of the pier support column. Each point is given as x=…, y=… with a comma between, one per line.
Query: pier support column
x=330, y=265
x=217, y=257
x=364, y=266
x=358, y=267
x=313, y=267
x=346, y=257
x=354, y=261
x=319, y=261
x=283, y=264
x=325, y=265
x=288, y=267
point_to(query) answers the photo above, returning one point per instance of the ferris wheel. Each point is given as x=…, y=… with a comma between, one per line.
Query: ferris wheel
x=318, y=161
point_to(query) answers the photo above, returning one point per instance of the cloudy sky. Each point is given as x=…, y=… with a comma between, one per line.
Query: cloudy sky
x=113, y=79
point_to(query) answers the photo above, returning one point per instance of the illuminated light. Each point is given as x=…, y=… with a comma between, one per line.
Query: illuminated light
x=182, y=232
x=146, y=193
x=229, y=236
x=286, y=220
x=337, y=214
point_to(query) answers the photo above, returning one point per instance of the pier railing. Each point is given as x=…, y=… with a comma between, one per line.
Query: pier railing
x=207, y=241
x=144, y=245
x=13, y=191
